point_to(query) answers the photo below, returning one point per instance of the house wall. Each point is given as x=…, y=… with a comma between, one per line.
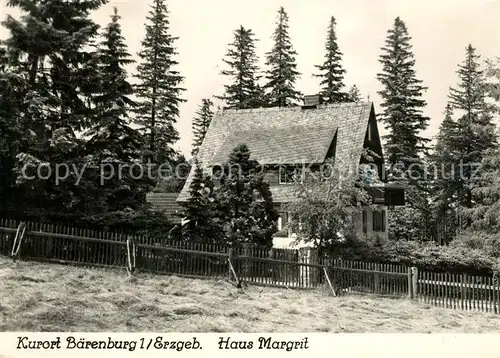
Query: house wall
x=370, y=221
x=286, y=242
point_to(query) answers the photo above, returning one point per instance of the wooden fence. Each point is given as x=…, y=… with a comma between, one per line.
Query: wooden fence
x=273, y=267
x=459, y=291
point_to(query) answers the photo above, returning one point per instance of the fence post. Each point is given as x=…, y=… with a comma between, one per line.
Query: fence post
x=18, y=239
x=327, y=277
x=131, y=255
x=410, y=282
x=309, y=255
x=465, y=290
x=414, y=281
x=246, y=262
x=376, y=279
x=314, y=259
x=230, y=258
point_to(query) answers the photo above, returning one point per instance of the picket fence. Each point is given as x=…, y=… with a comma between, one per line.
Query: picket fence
x=298, y=269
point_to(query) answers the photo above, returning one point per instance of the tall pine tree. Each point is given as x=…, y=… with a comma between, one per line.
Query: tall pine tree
x=486, y=195
x=159, y=90
x=402, y=102
x=111, y=134
x=113, y=142
x=493, y=81
x=282, y=71
x=201, y=123
x=445, y=178
x=331, y=71
x=476, y=130
x=11, y=133
x=47, y=49
x=244, y=90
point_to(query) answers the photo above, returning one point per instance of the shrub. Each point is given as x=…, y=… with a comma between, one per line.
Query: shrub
x=465, y=257
x=487, y=243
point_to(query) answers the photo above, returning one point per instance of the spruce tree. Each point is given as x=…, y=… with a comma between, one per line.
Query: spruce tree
x=492, y=75
x=354, y=95
x=331, y=71
x=402, y=102
x=244, y=90
x=11, y=134
x=476, y=130
x=111, y=135
x=49, y=47
x=444, y=159
x=91, y=81
x=199, y=210
x=201, y=123
x=445, y=176
x=244, y=201
x=159, y=90
x=282, y=73
x=486, y=195
x=113, y=143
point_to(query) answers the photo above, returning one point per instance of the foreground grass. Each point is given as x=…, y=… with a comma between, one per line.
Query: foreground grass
x=45, y=297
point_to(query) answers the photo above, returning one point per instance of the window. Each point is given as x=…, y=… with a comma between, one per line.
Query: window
x=290, y=174
x=365, y=221
x=282, y=225
x=379, y=221
x=217, y=173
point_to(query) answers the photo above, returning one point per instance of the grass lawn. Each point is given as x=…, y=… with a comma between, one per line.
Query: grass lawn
x=49, y=297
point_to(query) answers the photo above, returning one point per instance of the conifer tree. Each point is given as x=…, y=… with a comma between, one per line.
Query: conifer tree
x=492, y=75
x=244, y=201
x=111, y=135
x=113, y=143
x=445, y=176
x=159, y=90
x=486, y=195
x=91, y=81
x=244, y=90
x=203, y=225
x=282, y=73
x=48, y=45
x=331, y=71
x=11, y=87
x=354, y=95
x=201, y=123
x=476, y=130
x=402, y=102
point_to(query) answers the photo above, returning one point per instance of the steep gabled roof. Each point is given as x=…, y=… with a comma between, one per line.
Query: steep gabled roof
x=285, y=135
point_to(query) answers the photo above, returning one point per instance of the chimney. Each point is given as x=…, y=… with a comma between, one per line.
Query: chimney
x=311, y=101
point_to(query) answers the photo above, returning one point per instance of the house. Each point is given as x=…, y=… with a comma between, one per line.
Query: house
x=166, y=203
x=282, y=138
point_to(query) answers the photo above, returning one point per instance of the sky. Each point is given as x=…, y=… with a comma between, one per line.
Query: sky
x=440, y=32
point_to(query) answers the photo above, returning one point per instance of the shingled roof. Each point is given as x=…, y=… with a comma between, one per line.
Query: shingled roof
x=166, y=202
x=285, y=135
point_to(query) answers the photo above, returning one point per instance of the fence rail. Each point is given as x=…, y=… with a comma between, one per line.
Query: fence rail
x=274, y=267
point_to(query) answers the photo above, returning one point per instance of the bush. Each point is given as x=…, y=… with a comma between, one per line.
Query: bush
x=487, y=243
x=465, y=257
x=138, y=222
